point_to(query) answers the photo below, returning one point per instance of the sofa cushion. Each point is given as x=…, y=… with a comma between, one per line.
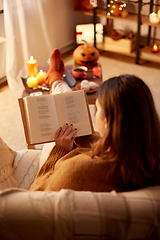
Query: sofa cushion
x=79, y=215
x=26, y=166
x=126, y=215
x=7, y=156
x=17, y=169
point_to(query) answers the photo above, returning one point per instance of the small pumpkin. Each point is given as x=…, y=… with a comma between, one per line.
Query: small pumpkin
x=86, y=5
x=86, y=55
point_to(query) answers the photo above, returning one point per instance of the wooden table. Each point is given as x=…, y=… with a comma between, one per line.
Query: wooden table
x=91, y=96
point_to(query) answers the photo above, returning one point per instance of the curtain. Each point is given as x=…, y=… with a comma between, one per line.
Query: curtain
x=35, y=28
x=30, y=27
x=27, y=33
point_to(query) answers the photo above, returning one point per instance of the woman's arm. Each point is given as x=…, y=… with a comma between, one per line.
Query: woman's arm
x=64, y=140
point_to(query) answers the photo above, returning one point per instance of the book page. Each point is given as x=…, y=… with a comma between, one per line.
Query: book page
x=72, y=109
x=42, y=118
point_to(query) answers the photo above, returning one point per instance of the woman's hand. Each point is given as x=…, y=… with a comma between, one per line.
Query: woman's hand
x=65, y=137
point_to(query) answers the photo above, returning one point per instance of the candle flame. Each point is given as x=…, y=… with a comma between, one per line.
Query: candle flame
x=155, y=47
x=31, y=58
x=41, y=71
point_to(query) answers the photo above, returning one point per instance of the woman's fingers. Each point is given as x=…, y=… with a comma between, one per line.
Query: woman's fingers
x=66, y=130
x=58, y=132
x=65, y=136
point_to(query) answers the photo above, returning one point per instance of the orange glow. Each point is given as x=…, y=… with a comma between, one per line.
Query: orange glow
x=155, y=47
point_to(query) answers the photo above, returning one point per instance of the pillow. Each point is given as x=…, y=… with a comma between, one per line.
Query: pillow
x=7, y=156
x=17, y=169
x=26, y=166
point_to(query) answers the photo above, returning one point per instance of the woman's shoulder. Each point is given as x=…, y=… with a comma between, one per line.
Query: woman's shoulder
x=80, y=158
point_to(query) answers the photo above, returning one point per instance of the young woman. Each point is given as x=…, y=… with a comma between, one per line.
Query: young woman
x=124, y=156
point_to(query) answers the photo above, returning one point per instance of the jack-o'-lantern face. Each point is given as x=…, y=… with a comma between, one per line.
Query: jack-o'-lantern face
x=85, y=55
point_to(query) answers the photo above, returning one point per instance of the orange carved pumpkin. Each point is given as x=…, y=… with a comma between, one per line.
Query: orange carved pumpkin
x=86, y=55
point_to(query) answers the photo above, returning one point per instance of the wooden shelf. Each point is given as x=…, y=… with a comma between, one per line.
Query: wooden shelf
x=86, y=12
x=146, y=21
x=101, y=46
x=147, y=54
x=103, y=13
x=130, y=17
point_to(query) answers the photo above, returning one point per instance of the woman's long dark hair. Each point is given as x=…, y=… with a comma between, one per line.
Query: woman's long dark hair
x=131, y=144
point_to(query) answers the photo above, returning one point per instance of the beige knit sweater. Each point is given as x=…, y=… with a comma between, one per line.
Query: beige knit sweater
x=74, y=170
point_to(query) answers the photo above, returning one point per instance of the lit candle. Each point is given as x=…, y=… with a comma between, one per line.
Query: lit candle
x=155, y=47
x=32, y=67
x=96, y=72
x=32, y=82
x=41, y=77
x=153, y=17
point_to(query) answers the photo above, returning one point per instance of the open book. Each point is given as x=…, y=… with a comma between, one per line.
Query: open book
x=43, y=115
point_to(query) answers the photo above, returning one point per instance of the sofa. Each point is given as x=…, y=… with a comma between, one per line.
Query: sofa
x=69, y=214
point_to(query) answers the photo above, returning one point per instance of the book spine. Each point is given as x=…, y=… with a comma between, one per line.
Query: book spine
x=24, y=120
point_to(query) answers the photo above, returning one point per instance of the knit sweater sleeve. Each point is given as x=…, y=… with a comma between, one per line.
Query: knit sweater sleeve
x=55, y=154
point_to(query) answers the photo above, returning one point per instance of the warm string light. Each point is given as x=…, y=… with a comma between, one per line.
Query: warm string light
x=115, y=8
x=154, y=17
